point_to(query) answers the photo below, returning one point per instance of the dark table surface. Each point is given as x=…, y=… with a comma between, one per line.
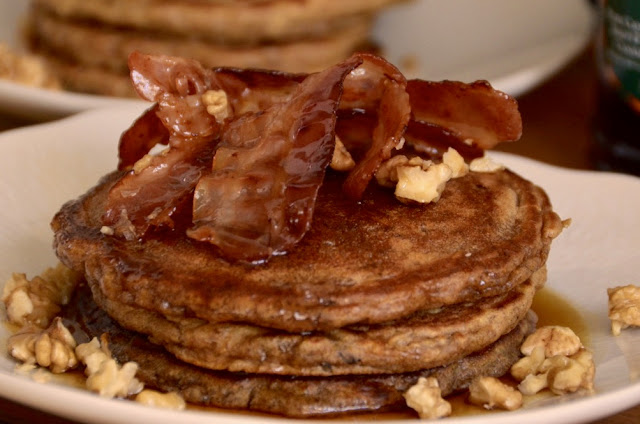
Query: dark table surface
x=557, y=130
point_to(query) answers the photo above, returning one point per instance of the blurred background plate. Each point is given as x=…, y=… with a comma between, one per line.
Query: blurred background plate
x=515, y=44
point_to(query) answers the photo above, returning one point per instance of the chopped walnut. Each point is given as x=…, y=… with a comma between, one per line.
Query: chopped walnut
x=532, y=384
x=217, y=104
x=425, y=398
x=169, y=400
x=419, y=180
x=556, y=340
x=455, y=161
x=104, y=375
x=107, y=231
x=571, y=374
x=490, y=393
x=341, y=160
x=142, y=163
x=624, y=307
x=387, y=174
x=418, y=185
x=529, y=364
x=485, y=164
x=52, y=348
x=555, y=359
x=38, y=301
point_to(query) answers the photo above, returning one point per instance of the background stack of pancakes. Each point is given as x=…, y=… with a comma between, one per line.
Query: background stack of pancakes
x=87, y=42
x=375, y=295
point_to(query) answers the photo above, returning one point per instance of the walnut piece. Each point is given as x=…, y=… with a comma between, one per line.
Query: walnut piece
x=341, y=159
x=217, y=104
x=104, y=375
x=485, y=164
x=554, y=358
x=387, y=173
x=455, y=162
x=142, y=163
x=555, y=339
x=418, y=180
x=418, y=185
x=169, y=400
x=533, y=383
x=572, y=373
x=52, y=348
x=529, y=364
x=490, y=393
x=624, y=307
x=38, y=301
x=425, y=398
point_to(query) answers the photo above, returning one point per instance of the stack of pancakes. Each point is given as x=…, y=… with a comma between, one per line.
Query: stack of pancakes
x=87, y=42
x=376, y=295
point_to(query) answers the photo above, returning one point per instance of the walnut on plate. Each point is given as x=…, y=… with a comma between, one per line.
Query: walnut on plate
x=37, y=301
x=624, y=307
x=491, y=393
x=555, y=359
x=426, y=399
x=52, y=348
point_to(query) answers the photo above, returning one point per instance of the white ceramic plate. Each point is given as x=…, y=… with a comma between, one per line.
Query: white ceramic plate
x=43, y=166
x=514, y=44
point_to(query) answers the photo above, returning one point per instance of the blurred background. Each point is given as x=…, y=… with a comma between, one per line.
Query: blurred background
x=539, y=51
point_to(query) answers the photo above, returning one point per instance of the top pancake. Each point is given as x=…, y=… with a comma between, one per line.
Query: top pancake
x=367, y=262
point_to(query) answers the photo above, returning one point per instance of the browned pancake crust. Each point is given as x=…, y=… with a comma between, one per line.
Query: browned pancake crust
x=427, y=339
x=237, y=22
x=290, y=396
x=361, y=263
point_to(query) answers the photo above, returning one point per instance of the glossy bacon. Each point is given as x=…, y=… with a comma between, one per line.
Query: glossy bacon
x=252, y=180
x=250, y=90
x=145, y=133
x=376, y=85
x=474, y=112
x=259, y=199
x=150, y=196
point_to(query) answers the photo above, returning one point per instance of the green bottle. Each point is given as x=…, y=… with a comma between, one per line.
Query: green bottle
x=617, y=122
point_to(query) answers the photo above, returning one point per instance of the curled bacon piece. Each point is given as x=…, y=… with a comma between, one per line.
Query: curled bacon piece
x=259, y=198
x=380, y=86
x=251, y=181
x=474, y=112
x=250, y=90
x=151, y=195
x=142, y=136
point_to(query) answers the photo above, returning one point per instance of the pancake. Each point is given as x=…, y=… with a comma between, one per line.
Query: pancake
x=224, y=22
x=107, y=48
x=303, y=291
x=487, y=234
x=290, y=396
x=425, y=340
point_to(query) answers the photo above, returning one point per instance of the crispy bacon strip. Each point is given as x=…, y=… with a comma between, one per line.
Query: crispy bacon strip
x=259, y=199
x=151, y=195
x=250, y=90
x=253, y=179
x=474, y=112
x=145, y=133
x=380, y=86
